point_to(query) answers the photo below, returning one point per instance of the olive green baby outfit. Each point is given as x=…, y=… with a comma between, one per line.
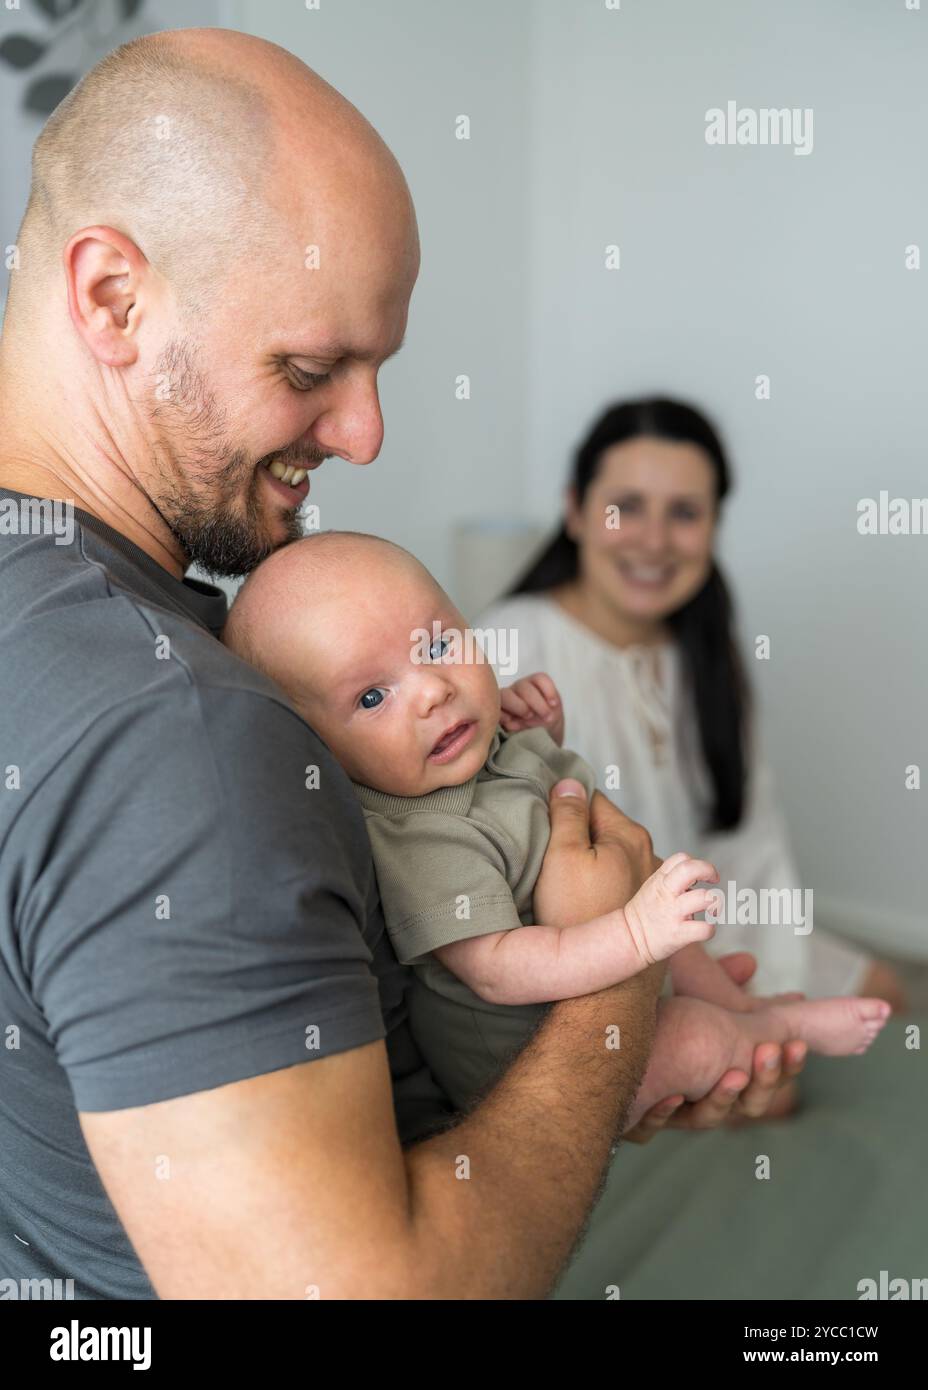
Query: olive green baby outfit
x=458, y=862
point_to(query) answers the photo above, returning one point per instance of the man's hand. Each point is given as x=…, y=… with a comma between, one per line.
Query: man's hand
x=736, y=1096
x=596, y=859
x=591, y=868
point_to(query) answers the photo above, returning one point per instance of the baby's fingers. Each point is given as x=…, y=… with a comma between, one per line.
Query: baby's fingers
x=511, y=702
x=672, y=860
x=698, y=900
x=678, y=872
x=536, y=698
x=548, y=689
x=526, y=703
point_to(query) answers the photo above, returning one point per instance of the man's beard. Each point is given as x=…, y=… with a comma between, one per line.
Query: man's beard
x=200, y=500
x=214, y=533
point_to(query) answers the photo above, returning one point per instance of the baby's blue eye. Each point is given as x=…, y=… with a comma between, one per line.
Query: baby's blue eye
x=439, y=641
x=374, y=690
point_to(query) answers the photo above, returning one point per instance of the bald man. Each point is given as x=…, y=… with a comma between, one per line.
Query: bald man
x=208, y=1088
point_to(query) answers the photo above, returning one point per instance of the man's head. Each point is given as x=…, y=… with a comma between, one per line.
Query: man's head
x=217, y=256
x=374, y=655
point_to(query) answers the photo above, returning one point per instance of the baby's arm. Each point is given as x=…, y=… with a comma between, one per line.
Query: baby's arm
x=536, y=965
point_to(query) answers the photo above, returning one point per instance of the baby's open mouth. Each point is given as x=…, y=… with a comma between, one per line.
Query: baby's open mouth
x=453, y=738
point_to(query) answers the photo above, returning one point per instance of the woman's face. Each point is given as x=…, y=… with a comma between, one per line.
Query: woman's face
x=660, y=553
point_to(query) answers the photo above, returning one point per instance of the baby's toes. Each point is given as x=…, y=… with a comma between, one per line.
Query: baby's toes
x=873, y=1015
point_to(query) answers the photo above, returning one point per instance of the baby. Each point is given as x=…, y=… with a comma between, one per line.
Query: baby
x=454, y=779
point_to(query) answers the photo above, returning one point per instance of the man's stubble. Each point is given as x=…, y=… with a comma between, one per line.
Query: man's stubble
x=207, y=491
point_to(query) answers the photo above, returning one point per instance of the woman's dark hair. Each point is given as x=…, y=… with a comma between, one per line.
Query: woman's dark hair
x=704, y=627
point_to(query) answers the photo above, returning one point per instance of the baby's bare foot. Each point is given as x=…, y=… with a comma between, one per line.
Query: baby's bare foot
x=833, y=1027
x=754, y=1002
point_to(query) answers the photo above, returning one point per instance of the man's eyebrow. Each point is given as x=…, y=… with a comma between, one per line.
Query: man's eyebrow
x=336, y=351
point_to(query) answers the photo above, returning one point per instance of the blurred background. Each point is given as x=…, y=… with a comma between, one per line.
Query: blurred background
x=587, y=130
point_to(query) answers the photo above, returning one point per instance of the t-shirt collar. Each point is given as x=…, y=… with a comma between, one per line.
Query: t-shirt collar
x=207, y=603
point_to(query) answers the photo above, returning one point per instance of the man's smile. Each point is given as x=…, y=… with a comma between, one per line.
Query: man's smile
x=289, y=481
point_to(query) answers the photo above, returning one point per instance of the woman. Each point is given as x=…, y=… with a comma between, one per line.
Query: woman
x=634, y=624
x=628, y=612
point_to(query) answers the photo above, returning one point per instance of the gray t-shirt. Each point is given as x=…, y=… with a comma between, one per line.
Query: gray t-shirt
x=187, y=896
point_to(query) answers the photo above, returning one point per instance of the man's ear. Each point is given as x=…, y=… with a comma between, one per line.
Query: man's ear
x=105, y=274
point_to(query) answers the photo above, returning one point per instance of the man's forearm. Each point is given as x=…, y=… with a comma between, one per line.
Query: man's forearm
x=497, y=1202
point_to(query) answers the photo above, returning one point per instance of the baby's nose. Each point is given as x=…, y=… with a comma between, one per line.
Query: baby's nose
x=436, y=689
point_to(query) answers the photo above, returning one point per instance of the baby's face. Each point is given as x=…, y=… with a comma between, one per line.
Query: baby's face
x=384, y=694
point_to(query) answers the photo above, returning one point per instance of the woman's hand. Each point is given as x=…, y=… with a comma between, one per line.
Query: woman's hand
x=530, y=702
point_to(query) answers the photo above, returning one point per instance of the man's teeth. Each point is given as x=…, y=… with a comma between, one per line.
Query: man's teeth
x=292, y=476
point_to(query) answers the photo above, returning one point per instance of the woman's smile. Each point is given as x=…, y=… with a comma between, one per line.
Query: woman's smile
x=645, y=575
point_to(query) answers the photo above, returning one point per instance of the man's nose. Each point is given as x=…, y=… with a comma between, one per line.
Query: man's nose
x=351, y=425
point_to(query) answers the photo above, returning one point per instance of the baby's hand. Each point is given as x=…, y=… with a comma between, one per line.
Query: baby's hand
x=660, y=915
x=530, y=702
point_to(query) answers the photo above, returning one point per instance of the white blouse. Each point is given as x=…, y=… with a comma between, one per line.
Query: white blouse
x=626, y=714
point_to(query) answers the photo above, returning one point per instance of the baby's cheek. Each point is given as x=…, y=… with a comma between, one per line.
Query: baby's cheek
x=484, y=687
x=351, y=748
x=372, y=752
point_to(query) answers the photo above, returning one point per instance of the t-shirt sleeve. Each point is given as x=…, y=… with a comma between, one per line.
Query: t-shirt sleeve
x=196, y=916
x=441, y=880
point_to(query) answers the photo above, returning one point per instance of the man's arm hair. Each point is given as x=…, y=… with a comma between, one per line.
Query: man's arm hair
x=294, y=1184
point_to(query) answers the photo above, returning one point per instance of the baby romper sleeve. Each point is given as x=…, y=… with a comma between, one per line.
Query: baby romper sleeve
x=441, y=879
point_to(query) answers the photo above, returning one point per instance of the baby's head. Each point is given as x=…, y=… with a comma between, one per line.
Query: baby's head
x=345, y=623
